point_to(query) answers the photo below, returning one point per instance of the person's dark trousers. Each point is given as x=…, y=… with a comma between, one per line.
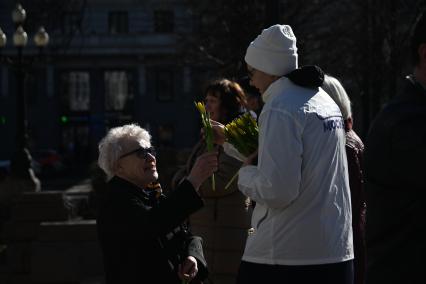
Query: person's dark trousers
x=335, y=273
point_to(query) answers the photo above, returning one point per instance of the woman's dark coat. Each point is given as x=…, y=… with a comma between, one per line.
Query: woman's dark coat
x=142, y=237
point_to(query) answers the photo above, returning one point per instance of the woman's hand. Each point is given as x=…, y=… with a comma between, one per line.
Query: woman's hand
x=188, y=269
x=205, y=165
x=218, y=132
x=252, y=159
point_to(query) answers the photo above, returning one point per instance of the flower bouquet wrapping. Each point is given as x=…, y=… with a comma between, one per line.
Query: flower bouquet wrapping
x=243, y=134
x=208, y=132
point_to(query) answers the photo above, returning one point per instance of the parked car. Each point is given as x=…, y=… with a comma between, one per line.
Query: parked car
x=47, y=162
x=6, y=164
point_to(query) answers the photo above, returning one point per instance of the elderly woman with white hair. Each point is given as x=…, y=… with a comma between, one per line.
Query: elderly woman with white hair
x=140, y=230
x=354, y=153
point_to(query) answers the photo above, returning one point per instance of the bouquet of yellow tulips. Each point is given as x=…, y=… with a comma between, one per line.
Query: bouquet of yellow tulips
x=243, y=134
x=208, y=132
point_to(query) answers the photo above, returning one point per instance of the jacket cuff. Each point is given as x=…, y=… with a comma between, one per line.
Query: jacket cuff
x=195, y=249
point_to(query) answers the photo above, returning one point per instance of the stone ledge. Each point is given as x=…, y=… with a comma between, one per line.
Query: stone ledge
x=40, y=206
x=65, y=261
x=72, y=230
x=14, y=231
x=41, y=197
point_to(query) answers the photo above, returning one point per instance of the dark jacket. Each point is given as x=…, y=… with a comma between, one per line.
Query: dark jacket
x=354, y=153
x=142, y=238
x=395, y=167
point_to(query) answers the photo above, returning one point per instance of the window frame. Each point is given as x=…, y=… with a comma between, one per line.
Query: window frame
x=164, y=21
x=120, y=20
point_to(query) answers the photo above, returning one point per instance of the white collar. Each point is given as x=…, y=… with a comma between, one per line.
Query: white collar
x=275, y=88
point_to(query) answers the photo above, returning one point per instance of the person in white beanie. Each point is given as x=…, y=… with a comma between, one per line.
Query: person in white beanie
x=302, y=220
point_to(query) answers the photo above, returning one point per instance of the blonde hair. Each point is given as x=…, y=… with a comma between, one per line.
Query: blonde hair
x=335, y=90
x=116, y=143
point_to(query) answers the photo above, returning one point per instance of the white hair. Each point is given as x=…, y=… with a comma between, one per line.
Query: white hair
x=116, y=143
x=335, y=90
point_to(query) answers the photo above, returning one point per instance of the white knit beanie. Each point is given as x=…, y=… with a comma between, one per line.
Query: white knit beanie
x=274, y=51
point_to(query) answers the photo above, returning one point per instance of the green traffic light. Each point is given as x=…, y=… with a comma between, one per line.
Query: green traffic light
x=2, y=120
x=64, y=119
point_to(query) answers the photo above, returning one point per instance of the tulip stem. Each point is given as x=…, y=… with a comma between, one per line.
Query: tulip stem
x=213, y=183
x=230, y=182
x=208, y=131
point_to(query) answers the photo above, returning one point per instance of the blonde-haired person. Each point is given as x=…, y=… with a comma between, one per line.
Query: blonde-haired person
x=354, y=153
x=140, y=230
x=224, y=221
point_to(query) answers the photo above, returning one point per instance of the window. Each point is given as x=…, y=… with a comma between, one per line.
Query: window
x=70, y=23
x=76, y=92
x=164, y=21
x=118, y=90
x=118, y=22
x=164, y=85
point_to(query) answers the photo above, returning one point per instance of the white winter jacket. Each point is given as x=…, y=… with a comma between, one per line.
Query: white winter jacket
x=300, y=185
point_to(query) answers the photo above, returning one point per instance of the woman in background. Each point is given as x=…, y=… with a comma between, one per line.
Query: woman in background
x=354, y=153
x=225, y=219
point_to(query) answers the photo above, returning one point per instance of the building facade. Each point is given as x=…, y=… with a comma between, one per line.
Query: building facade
x=108, y=63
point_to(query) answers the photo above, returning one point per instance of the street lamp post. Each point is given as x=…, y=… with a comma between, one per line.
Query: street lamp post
x=21, y=161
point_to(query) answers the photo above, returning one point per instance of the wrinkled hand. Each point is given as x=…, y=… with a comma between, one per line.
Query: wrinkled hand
x=205, y=165
x=188, y=269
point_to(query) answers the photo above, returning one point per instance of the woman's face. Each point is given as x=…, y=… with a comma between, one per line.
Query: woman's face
x=259, y=79
x=213, y=107
x=138, y=165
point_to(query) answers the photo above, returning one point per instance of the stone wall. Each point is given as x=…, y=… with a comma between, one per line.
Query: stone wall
x=44, y=242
